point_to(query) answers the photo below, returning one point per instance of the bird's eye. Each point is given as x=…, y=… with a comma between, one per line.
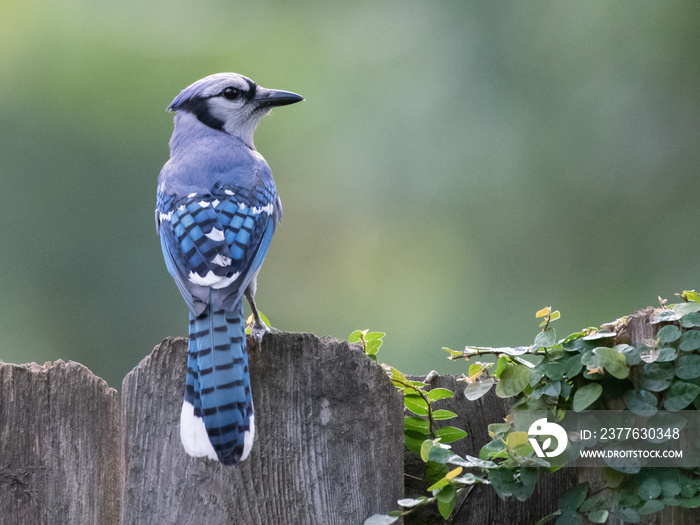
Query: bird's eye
x=231, y=93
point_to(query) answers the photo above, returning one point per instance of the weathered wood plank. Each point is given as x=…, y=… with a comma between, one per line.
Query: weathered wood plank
x=59, y=445
x=329, y=443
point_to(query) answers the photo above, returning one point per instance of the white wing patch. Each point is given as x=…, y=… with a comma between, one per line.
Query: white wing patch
x=269, y=209
x=193, y=433
x=248, y=438
x=165, y=216
x=221, y=260
x=211, y=279
x=216, y=235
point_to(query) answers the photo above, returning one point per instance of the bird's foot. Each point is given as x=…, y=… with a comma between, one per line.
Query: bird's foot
x=258, y=331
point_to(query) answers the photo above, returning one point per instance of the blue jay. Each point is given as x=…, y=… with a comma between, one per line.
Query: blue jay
x=217, y=209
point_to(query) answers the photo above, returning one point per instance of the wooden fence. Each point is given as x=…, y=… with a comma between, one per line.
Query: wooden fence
x=329, y=446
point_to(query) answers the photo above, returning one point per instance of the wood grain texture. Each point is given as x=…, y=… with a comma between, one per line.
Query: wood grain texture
x=59, y=446
x=328, y=450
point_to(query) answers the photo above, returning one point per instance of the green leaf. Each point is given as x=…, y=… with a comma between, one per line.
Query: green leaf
x=671, y=488
x=380, y=519
x=470, y=461
x=569, y=518
x=501, y=366
x=372, y=347
x=498, y=430
x=478, y=389
x=668, y=334
x=565, y=389
x=680, y=395
x=373, y=336
x=690, y=320
x=573, y=498
x=641, y=402
x=425, y=449
x=437, y=394
x=627, y=514
x=690, y=295
x=416, y=404
x=513, y=380
x=503, y=482
x=657, y=376
x=355, y=337
x=651, y=506
x=453, y=353
x=599, y=335
x=630, y=352
x=573, y=366
x=516, y=439
x=690, y=503
x=412, y=502
x=416, y=424
x=613, y=362
x=441, y=454
x=443, y=414
x=688, y=366
x=649, y=355
x=395, y=375
x=598, y=516
x=552, y=389
x=449, y=434
x=414, y=440
x=649, y=489
x=546, y=338
x=586, y=396
x=468, y=479
x=611, y=478
x=666, y=354
x=439, y=484
x=446, y=498
x=690, y=341
x=666, y=316
x=553, y=370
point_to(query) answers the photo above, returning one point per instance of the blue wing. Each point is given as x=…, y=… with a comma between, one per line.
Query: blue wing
x=214, y=242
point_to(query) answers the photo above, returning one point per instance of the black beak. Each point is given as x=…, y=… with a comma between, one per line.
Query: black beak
x=267, y=98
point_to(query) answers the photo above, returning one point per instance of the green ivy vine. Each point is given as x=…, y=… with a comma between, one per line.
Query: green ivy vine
x=592, y=369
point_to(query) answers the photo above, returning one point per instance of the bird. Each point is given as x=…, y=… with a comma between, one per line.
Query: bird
x=216, y=211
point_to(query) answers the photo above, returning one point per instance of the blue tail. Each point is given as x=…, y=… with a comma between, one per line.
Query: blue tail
x=217, y=417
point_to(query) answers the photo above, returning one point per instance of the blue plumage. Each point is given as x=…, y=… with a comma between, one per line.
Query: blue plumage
x=217, y=209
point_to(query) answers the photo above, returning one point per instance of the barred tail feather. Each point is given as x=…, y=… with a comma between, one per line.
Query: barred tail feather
x=217, y=414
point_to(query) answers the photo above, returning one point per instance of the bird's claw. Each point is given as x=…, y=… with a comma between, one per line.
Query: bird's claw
x=258, y=331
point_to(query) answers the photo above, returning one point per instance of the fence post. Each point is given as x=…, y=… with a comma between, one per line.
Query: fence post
x=59, y=445
x=329, y=443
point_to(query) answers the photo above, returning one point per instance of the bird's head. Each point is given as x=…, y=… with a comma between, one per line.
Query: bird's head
x=231, y=103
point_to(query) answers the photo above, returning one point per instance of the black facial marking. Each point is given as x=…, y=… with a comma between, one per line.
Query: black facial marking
x=252, y=88
x=200, y=108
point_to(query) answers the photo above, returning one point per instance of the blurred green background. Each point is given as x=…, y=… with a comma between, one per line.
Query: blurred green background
x=456, y=166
